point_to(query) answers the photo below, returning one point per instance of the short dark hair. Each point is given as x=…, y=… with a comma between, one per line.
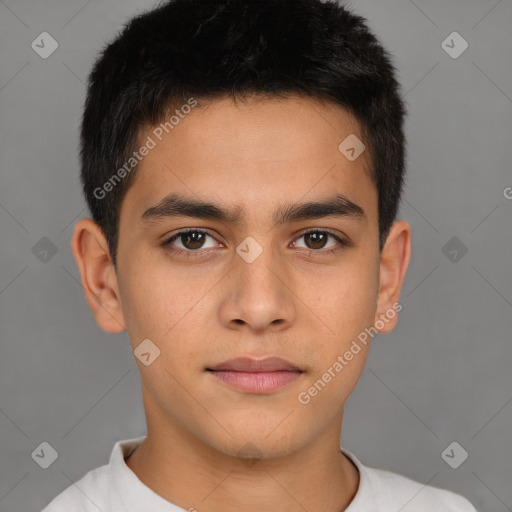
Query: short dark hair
x=208, y=49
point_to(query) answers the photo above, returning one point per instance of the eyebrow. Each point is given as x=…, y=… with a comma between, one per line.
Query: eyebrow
x=175, y=205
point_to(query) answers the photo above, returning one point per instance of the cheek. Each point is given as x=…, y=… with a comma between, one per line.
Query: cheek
x=170, y=310
x=346, y=302
x=154, y=295
x=347, y=307
x=145, y=310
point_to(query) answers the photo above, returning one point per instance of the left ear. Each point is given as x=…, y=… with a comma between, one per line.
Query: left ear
x=394, y=261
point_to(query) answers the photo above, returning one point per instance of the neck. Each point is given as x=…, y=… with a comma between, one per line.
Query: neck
x=193, y=475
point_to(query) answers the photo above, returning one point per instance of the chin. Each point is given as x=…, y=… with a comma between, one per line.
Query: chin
x=250, y=445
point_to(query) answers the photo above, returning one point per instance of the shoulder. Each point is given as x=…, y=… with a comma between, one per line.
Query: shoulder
x=414, y=496
x=89, y=494
x=387, y=491
x=102, y=488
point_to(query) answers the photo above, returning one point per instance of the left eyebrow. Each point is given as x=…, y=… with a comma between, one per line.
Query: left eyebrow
x=175, y=205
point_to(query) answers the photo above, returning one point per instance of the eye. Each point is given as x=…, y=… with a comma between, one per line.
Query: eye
x=191, y=240
x=316, y=240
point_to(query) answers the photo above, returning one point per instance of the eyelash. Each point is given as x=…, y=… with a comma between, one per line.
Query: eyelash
x=192, y=254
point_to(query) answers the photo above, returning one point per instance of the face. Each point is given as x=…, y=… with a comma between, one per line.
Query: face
x=266, y=279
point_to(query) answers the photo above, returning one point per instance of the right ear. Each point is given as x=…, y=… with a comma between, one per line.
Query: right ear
x=99, y=279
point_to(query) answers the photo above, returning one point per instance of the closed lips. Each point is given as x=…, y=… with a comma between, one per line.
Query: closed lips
x=245, y=364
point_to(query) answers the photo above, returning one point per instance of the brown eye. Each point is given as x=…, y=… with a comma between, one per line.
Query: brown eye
x=193, y=240
x=317, y=240
x=190, y=240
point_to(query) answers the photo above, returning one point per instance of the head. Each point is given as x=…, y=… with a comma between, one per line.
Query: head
x=253, y=123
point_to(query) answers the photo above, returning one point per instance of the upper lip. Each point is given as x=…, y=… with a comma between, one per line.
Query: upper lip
x=246, y=364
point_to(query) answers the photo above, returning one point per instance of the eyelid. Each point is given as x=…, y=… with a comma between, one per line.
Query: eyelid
x=320, y=230
x=189, y=230
x=343, y=240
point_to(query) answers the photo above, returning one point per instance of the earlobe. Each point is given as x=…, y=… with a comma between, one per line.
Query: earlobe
x=99, y=280
x=394, y=262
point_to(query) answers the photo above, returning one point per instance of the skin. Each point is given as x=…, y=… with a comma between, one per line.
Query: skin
x=296, y=302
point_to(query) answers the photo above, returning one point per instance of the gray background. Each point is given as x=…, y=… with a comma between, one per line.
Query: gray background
x=443, y=375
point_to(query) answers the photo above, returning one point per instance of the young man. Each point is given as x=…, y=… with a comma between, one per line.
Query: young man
x=243, y=162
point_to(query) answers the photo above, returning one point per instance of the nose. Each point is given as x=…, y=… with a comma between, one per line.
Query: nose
x=258, y=295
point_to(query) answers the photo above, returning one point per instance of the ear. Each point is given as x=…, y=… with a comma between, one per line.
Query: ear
x=394, y=261
x=99, y=279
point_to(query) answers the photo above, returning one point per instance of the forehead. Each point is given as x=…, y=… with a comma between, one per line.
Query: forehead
x=251, y=154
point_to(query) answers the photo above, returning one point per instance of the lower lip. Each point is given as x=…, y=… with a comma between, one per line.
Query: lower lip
x=258, y=383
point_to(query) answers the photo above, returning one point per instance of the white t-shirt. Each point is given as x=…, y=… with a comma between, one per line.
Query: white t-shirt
x=115, y=488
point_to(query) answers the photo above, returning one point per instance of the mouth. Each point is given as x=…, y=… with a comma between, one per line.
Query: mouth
x=255, y=376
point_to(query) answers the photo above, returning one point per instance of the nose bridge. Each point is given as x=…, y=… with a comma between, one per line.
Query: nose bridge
x=257, y=263
x=260, y=295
